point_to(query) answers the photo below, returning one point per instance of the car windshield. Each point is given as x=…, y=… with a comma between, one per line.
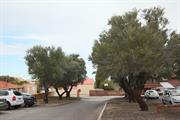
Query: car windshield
x=175, y=93
x=17, y=93
x=3, y=93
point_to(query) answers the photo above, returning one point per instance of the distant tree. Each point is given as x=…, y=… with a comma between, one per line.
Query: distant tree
x=58, y=60
x=108, y=85
x=132, y=50
x=13, y=80
x=52, y=67
x=43, y=63
x=75, y=73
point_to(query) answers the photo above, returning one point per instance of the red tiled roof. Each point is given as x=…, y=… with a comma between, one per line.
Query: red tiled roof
x=174, y=82
x=151, y=85
x=6, y=85
x=88, y=81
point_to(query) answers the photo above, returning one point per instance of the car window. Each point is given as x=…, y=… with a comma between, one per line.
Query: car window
x=17, y=93
x=25, y=95
x=175, y=93
x=4, y=93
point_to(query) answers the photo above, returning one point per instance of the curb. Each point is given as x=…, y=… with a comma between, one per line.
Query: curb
x=102, y=111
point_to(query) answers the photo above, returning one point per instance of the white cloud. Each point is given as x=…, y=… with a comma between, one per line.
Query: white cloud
x=12, y=49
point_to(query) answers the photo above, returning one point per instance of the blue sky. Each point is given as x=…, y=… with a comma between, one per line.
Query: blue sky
x=70, y=24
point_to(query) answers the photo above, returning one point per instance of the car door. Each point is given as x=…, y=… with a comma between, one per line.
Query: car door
x=19, y=97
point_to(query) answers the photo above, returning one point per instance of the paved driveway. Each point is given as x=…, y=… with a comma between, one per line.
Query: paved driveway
x=86, y=109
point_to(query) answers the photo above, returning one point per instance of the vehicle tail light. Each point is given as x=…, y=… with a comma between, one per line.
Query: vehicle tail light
x=14, y=98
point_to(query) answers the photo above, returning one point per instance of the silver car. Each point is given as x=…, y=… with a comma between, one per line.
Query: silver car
x=171, y=96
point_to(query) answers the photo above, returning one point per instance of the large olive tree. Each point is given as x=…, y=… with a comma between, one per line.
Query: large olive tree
x=43, y=64
x=132, y=50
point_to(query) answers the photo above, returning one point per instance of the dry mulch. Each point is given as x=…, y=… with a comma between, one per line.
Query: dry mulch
x=54, y=101
x=120, y=109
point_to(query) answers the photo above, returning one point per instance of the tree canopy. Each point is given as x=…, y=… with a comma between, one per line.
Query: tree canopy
x=133, y=50
x=75, y=73
x=53, y=68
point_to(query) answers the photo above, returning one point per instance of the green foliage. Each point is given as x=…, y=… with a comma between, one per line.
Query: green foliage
x=74, y=72
x=52, y=67
x=108, y=85
x=173, y=53
x=136, y=48
x=131, y=46
x=43, y=63
x=13, y=80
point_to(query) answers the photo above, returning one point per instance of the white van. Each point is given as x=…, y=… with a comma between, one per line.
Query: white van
x=13, y=98
x=171, y=96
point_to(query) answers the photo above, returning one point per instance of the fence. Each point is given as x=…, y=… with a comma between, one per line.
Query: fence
x=105, y=93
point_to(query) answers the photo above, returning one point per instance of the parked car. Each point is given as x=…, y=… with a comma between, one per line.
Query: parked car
x=178, y=87
x=3, y=104
x=151, y=94
x=29, y=100
x=12, y=97
x=171, y=96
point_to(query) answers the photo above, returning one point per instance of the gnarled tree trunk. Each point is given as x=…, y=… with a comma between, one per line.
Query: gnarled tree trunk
x=133, y=86
x=46, y=95
x=142, y=104
x=68, y=91
x=60, y=95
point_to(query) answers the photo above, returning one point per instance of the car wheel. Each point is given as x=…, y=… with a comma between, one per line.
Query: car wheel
x=17, y=106
x=170, y=102
x=25, y=105
x=8, y=106
x=30, y=105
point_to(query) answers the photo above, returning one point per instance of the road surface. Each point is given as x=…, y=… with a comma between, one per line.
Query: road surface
x=86, y=109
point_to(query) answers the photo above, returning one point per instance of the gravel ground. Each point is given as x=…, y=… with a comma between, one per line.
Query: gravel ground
x=55, y=101
x=120, y=109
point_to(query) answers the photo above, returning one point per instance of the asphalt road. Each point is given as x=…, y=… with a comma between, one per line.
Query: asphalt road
x=86, y=109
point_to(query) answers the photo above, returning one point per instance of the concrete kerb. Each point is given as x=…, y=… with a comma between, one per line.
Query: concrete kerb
x=102, y=111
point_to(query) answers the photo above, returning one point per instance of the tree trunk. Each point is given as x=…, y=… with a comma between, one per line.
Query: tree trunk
x=131, y=97
x=142, y=104
x=46, y=95
x=133, y=86
x=68, y=92
x=129, y=93
x=57, y=91
x=60, y=95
